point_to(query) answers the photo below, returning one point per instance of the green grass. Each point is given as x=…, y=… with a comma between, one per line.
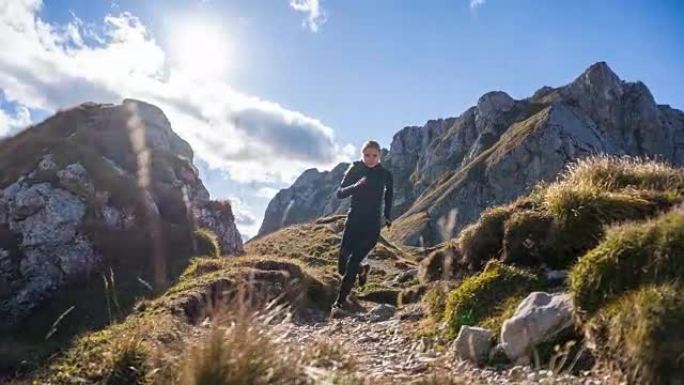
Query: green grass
x=206, y=243
x=481, y=296
x=208, y=285
x=632, y=254
x=641, y=333
x=482, y=241
x=557, y=223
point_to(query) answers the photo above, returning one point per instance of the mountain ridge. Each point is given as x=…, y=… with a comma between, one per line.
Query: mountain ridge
x=596, y=113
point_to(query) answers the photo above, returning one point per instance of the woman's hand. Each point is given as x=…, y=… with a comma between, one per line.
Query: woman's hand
x=361, y=182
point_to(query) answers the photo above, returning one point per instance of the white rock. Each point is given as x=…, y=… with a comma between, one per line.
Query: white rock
x=473, y=343
x=538, y=318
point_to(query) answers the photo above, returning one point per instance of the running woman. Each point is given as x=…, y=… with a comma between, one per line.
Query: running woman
x=368, y=183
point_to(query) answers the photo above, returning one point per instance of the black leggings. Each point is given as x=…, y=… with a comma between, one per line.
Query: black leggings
x=357, y=242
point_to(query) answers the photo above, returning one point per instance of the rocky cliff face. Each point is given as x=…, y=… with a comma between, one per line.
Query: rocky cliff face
x=310, y=196
x=98, y=188
x=448, y=171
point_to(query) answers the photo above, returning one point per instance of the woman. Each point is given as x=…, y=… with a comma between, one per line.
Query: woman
x=365, y=181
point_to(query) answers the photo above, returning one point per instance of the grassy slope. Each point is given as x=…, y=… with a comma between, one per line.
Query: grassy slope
x=296, y=264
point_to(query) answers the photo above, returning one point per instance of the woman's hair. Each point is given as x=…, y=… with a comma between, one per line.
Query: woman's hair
x=370, y=144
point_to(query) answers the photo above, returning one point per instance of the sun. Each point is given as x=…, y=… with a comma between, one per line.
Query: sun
x=200, y=49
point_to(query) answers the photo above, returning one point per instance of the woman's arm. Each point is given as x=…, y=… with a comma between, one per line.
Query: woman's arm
x=389, y=194
x=350, y=182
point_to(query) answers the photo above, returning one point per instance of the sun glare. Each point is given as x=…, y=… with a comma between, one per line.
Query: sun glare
x=200, y=49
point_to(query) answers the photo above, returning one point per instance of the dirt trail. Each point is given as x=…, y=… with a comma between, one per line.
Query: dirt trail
x=388, y=350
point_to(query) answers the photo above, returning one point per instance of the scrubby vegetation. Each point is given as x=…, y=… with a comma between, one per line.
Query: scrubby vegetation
x=294, y=267
x=632, y=255
x=556, y=223
x=480, y=297
x=206, y=243
x=641, y=333
x=317, y=246
x=628, y=295
x=618, y=225
x=130, y=348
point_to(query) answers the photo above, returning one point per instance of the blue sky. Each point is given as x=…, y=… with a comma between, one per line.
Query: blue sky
x=332, y=74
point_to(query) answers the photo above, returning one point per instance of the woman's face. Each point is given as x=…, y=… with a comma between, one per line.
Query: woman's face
x=371, y=157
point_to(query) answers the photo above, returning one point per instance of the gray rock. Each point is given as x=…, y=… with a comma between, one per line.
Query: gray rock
x=46, y=246
x=218, y=216
x=407, y=275
x=47, y=163
x=44, y=215
x=473, y=343
x=113, y=217
x=48, y=221
x=538, y=318
x=311, y=195
x=382, y=312
x=75, y=179
x=156, y=127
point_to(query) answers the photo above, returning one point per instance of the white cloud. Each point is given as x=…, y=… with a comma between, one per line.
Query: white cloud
x=316, y=16
x=267, y=192
x=49, y=66
x=476, y=3
x=12, y=121
x=246, y=222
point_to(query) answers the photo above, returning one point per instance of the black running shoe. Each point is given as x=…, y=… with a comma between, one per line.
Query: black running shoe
x=363, y=275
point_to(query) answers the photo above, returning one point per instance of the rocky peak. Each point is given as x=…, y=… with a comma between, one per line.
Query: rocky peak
x=157, y=128
x=492, y=104
x=599, y=81
x=310, y=196
x=598, y=91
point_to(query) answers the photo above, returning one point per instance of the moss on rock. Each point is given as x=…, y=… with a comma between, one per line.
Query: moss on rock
x=206, y=243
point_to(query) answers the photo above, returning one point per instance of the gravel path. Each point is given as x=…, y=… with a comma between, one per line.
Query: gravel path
x=386, y=350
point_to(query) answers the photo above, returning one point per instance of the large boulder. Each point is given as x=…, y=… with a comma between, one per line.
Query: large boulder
x=473, y=343
x=539, y=317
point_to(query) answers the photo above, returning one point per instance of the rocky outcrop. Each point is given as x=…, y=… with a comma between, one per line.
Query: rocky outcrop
x=218, y=216
x=44, y=223
x=312, y=195
x=98, y=188
x=533, y=141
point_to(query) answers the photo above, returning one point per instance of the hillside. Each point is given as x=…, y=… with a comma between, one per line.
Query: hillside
x=546, y=289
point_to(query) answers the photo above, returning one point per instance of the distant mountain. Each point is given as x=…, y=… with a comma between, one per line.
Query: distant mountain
x=449, y=170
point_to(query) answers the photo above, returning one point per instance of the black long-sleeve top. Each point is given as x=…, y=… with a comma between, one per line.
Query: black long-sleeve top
x=367, y=199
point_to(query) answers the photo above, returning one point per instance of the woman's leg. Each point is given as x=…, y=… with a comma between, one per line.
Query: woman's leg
x=342, y=260
x=358, y=253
